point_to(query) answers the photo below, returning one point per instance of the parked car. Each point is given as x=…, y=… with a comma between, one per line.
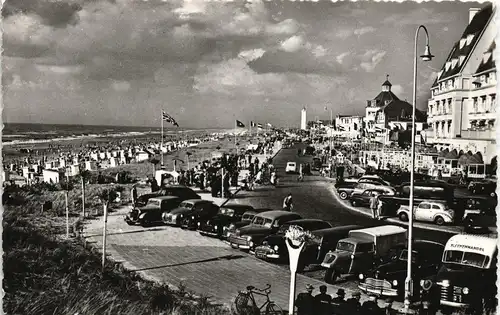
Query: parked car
x=229, y=213
x=474, y=205
x=428, y=211
x=361, y=250
x=273, y=247
x=246, y=219
x=345, y=189
x=369, y=184
x=185, y=210
x=388, y=279
x=291, y=167
x=484, y=187
x=152, y=211
x=262, y=225
x=180, y=191
x=201, y=213
x=363, y=199
x=142, y=200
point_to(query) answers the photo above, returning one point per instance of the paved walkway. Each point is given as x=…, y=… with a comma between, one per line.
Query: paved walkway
x=204, y=265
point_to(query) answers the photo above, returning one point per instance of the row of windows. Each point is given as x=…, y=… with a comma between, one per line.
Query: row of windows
x=454, y=83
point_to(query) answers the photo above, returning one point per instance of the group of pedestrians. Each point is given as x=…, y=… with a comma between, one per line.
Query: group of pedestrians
x=323, y=303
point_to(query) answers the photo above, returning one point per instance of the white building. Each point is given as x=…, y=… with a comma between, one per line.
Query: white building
x=90, y=166
x=94, y=156
x=74, y=170
x=52, y=176
x=348, y=126
x=303, y=119
x=462, y=108
x=141, y=156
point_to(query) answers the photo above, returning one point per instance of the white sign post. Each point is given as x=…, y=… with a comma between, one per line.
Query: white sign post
x=295, y=241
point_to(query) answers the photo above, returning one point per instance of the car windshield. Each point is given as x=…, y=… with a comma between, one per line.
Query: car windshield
x=152, y=202
x=258, y=221
x=465, y=258
x=247, y=217
x=226, y=211
x=268, y=223
x=186, y=205
x=404, y=256
x=344, y=246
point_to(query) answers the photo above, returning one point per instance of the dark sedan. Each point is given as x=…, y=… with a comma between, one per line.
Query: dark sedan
x=345, y=189
x=484, y=187
x=187, y=209
x=245, y=220
x=229, y=213
x=152, y=211
x=388, y=279
x=273, y=247
x=363, y=199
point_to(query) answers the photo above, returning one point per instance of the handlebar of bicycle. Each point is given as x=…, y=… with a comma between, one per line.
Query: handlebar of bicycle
x=265, y=289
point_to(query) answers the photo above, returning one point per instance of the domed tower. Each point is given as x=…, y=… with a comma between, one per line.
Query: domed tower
x=386, y=86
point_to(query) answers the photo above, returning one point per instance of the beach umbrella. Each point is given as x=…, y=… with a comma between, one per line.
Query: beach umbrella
x=478, y=157
x=452, y=154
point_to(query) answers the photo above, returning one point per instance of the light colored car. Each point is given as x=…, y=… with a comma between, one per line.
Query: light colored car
x=291, y=167
x=365, y=184
x=428, y=211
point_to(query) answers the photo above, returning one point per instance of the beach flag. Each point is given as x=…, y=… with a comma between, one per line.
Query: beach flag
x=269, y=125
x=252, y=124
x=239, y=124
x=170, y=119
x=259, y=126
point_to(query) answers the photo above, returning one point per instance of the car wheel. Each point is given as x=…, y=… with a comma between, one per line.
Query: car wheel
x=129, y=223
x=330, y=276
x=439, y=221
x=403, y=217
x=343, y=195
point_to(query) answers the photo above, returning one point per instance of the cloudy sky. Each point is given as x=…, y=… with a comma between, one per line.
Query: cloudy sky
x=119, y=62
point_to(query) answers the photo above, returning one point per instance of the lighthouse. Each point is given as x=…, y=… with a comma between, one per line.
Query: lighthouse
x=303, y=119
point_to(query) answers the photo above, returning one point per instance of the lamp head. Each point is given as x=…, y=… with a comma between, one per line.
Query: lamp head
x=427, y=56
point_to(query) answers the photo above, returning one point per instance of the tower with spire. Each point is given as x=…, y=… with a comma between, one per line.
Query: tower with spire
x=303, y=119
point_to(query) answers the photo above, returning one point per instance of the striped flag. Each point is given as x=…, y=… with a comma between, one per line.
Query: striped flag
x=259, y=126
x=239, y=124
x=252, y=124
x=166, y=117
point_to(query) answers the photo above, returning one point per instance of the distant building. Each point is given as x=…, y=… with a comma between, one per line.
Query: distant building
x=52, y=176
x=303, y=119
x=90, y=165
x=347, y=126
x=462, y=108
x=386, y=107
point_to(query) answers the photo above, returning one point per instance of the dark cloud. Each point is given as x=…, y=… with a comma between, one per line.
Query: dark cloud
x=299, y=62
x=52, y=13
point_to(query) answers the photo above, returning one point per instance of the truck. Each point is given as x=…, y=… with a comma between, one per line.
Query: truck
x=362, y=250
x=467, y=278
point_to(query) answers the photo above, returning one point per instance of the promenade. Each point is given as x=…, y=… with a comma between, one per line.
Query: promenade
x=210, y=267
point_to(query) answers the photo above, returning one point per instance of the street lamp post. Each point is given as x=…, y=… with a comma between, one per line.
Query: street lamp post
x=427, y=56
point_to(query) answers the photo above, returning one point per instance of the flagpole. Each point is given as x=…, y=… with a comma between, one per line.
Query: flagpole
x=161, y=145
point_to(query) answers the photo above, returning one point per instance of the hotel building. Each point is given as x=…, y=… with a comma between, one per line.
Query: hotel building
x=462, y=108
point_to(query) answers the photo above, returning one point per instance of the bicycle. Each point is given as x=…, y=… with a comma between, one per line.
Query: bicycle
x=245, y=303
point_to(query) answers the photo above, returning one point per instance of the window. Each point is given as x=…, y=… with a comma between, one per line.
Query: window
x=258, y=221
x=470, y=37
x=344, y=246
x=186, y=205
x=247, y=217
x=436, y=207
x=424, y=205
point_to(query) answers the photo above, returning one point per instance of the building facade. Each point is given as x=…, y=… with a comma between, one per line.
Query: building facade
x=347, y=126
x=462, y=107
x=385, y=108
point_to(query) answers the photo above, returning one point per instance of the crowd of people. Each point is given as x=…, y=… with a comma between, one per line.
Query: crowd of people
x=324, y=304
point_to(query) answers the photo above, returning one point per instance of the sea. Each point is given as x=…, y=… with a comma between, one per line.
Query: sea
x=21, y=133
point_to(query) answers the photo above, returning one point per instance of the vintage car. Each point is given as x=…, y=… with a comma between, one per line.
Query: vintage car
x=229, y=213
x=360, y=251
x=474, y=205
x=185, y=210
x=152, y=211
x=428, y=211
x=273, y=247
x=246, y=218
x=468, y=275
x=262, y=225
x=485, y=187
x=291, y=167
x=142, y=200
x=363, y=199
x=345, y=189
x=369, y=184
x=180, y=191
x=202, y=212
x=388, y=279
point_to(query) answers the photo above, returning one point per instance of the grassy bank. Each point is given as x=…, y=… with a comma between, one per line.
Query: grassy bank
x=45, y=274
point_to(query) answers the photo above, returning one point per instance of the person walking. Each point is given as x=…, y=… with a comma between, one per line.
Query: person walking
x=323, y=301
x=133, y=195
x=288, y=203
x=374, y=205
x=305, y=302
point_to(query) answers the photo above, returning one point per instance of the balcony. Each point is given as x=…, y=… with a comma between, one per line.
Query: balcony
x=485, y=134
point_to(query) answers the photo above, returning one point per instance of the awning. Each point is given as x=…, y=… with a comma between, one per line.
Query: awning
x=444, y=153
x=452, y=155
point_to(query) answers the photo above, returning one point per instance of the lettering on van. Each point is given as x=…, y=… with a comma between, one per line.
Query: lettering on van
x=468, y=247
